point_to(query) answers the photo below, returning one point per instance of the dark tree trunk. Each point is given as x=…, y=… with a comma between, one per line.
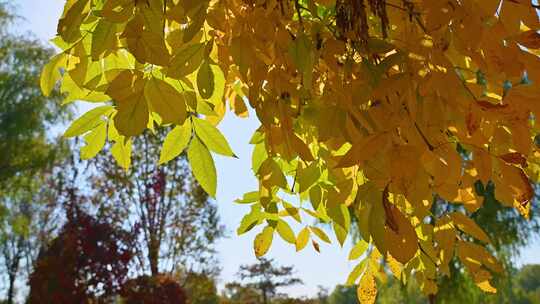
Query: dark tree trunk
x=11, y=289
x=265, y=296
x=153, y=257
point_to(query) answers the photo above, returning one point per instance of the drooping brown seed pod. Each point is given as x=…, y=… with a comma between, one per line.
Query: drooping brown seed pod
x=351, y=20
x=378, y=7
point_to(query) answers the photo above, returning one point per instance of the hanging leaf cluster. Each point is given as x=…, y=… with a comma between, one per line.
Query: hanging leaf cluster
x=373, y=109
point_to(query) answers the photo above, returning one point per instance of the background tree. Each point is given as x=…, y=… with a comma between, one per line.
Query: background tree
x=25, y=113
x=178, y=225
x=157, y=289
x=509, y=233
x=28, y=152
x=236, y=293
x=527, y=281
x=200, y=289
x=343, y=295
x=267, y=278
x=29, y=218
x=88, y=260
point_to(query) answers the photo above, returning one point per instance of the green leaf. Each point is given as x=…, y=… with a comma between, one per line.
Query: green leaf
x=321, y=234
x=285, y=231
x=258, y=156
x=301, y=51
x=308, y=176
x=95, y=140
x=103, y=38
x=250, y=220
x=263, y=241
x=219, y=85
x=358, y=250
x=175, y=142
x=87, y=121
x=127, y=90
x=186, y=60
x=202, y=166
x=248, y=198
x=212, y=137
x=51, y=73
x=356, y=272
x=205, y=80
x=166, y=101
x=121, y=151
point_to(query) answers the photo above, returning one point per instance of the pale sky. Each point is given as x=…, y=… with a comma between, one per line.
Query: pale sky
x=328, y=268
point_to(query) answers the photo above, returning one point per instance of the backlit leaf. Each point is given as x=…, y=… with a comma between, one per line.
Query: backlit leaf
x=95, y=140
x=165, y=100
x=212, y=137
x=302, y=239
x=88, y=121
x=202, y=166
x=263, y=241
x=205, y=80
x=285, y=231
x=367, y=289
x=175, y=142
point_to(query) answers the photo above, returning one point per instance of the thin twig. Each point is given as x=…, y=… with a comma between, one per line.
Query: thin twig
x=297, y=7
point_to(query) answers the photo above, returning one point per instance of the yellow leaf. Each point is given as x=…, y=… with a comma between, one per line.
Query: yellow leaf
x=445, y=236
x=165, y=100
x=121, y=151
x=367, y=289
x=302, y=239
x=400, y=237
x=321, y=234
x=365, y=149
x=474, y=256
x=468, y=226
x=263, y=241
x=285, y=231
x=395, y=267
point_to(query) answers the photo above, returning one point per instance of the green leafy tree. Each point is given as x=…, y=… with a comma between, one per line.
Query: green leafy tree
x=528, y=277
x=267, y=278
x=509, y=233
x=200, y=289
x=27, y=153
x=343, y=295
x=236, y=293
x=25, y=113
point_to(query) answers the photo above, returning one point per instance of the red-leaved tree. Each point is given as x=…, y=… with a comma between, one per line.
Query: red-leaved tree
x=89, y=259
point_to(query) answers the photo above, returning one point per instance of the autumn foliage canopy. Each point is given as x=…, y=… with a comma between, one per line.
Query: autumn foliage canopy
x=372, y=109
